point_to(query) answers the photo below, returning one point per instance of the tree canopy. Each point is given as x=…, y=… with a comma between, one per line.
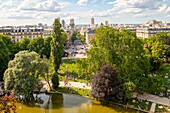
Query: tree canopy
x=37, y=45
x=23, y=73
x=4, y=58
x=105, y=83
x=119, y=48
x=57, y=48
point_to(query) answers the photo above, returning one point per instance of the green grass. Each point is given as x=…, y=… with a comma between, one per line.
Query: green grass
x=73, y=90
x=70, y=66
x=164, y=109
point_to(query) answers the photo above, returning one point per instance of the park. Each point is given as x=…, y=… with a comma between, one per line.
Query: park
x=118, y=72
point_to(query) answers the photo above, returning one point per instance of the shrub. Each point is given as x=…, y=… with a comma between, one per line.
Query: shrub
x=55, y=80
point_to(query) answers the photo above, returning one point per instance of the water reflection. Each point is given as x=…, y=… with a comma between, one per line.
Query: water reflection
x=66, y=103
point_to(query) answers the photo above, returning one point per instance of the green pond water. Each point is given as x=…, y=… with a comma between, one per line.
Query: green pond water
x=66, y=103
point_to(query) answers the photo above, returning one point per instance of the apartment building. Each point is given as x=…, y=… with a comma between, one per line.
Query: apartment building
x=151, y=28
x=31, y=31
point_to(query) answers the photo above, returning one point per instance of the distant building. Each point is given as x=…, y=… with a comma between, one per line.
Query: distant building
x=151, y=28
x=72, y=23
x=31, y=31
x=63, y=24
x=146, y=32
x=92, y=21
x=106, y=23
x=90, y=34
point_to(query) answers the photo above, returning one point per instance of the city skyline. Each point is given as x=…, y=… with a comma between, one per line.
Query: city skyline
x=21, y=12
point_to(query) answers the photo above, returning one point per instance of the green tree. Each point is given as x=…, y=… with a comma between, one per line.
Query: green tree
x=57, y=48
x=23, y=44
x=23, y=74
x=64, y=38
x=55, y=80
x=74, y=37
x=158, y=47
x=37, y=45
x=81, y=37
x=47, y=47
x=4, y=58
x=9, y=44
x=121, y=49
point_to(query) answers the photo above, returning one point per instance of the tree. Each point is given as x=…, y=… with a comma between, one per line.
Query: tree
x=37, y=45
x=64, y=38
x=9, y=44
x=121, y=49
x=57, y=48
x=55, y=80
x=81, y=37
x=74, y=37
x=23, y=44
x=158, y=47
x=105, y=83
x=4, y=58
x=47, y=47
x=23, y=74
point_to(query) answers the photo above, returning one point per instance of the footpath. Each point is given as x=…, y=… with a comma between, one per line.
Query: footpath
x=153, y=98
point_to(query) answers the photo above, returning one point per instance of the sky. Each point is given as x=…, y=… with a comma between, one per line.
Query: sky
x=31, y=12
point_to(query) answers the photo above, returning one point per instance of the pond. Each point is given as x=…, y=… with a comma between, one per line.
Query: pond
x=67, y=103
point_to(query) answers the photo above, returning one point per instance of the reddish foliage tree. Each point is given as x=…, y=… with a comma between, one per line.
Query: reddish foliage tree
x=105, y=83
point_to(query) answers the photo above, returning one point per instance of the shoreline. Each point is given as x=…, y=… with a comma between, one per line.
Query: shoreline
x=108, y=102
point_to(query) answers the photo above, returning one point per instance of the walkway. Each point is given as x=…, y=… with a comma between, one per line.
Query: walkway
x=70, y=84
x=75, y=84
x=153, y=98
x=152, y=110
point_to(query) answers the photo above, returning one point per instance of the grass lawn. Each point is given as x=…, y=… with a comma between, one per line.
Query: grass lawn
x=70, y=66
x=73, y=90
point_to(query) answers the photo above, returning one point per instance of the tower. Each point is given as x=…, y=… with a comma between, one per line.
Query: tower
x=63, y=24
x=92, y=21
x=72, y=23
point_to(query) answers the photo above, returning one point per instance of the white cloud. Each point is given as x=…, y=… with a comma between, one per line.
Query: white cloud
x=140, y=7
x=37, y=5
x=110, y=3
x=8, y=5
x=82, y=2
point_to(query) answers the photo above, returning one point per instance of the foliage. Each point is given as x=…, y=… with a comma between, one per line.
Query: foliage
x=105, y=84
x=47, y=48
x=23, y=73
x=158, y=47
x=74, y=37
x=23, y=44
x=63, y=38
x=37, y=45
x=121, y=49
x=9, y=44
x=81, y=37
x=127, y=90
x=74, y=90
x=4, y=58
x=57, y=48
x=55, y=80
x=7, y=104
